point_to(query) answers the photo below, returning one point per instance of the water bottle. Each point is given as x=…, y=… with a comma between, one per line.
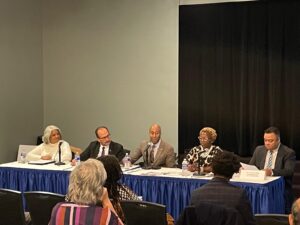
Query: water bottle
x=77, y=158
x=127, y=161
x=22, y=157
x=185, y=171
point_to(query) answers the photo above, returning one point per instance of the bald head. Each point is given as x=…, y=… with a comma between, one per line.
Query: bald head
x=154, y=133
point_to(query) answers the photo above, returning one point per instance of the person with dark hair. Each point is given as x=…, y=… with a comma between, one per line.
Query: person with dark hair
x=203, y=154
x=277, y=160
x=116, y=190
x=103, y=146
x=220, y=192
x=294, y=215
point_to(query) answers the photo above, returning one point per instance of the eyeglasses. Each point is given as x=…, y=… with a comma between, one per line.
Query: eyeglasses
x=107, y=136
x=202, y=139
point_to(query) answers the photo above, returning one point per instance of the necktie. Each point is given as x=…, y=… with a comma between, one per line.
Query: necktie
x=270, y=159
x=152, y=154
x=103, y=151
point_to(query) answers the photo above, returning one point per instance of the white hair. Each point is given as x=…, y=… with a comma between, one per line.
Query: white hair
x=47, y=133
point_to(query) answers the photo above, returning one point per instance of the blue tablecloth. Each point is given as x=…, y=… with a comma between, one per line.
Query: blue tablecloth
x=173, y=192
x=34, y=180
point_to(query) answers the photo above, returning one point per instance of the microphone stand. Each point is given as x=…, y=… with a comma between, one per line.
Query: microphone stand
x=147, y=164
x=198, y=173
x=199, y=170
x=147, y=161
x=59, y=163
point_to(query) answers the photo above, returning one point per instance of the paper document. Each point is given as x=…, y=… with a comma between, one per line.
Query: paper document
x=248, y=167
x=41, y=162
x=133, y=167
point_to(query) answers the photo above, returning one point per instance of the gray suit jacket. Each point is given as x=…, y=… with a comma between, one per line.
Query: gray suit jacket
x=284, y=164
x=165, y=155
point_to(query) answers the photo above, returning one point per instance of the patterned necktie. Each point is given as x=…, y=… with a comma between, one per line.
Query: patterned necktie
x=270, y=160
x=103, y=151
x=152, y=154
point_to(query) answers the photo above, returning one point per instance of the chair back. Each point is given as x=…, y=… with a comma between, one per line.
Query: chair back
x=24, y=149
x=11, y=207
x=40, y=205
x=272, y=219
x=144, y=213
x=209, y=214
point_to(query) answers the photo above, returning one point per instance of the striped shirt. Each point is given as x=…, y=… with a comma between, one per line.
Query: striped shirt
x=73, y=214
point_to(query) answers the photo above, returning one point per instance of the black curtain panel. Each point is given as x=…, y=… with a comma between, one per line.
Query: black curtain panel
x=239, y=72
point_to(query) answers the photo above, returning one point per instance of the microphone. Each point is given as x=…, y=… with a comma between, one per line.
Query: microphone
x=146, y=158
x=59, y=163
x=200, y=162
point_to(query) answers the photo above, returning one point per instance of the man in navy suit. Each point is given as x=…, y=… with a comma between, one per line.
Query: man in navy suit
x=103, y=146
x=221, y=193
x=277, y=160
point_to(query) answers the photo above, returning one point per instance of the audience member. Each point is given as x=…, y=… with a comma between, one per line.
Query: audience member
x=89, y=202
x=294, y=216
x=277, y=160
x=220, y=192
x=103, y=146
x=203, y=154
x=160, y=153
x=48, y=150
x=116, y=190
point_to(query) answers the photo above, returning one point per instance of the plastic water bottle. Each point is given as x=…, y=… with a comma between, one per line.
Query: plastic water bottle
x=127, y=161
x=22, y=157
x=184, y=167
x=77, y=158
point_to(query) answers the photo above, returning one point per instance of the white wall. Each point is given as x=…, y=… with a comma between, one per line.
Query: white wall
x=21, y=95
x=113, y=63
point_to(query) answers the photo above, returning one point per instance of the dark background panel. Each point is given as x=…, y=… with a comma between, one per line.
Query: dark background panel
x=239, y=72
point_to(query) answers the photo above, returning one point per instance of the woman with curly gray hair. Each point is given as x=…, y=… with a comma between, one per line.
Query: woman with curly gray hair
x=89, y=203
x=48, y=150
x=201, y=156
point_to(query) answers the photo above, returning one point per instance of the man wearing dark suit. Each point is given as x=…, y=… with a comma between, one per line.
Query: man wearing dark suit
x=159, y=152
x=103, y=146
x=220, y=192
x=277, y=160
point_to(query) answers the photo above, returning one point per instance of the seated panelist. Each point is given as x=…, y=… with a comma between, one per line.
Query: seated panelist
x=160, y=153
x=49, y=149
x=276, y=159
x=205, y=152
x=103, y=146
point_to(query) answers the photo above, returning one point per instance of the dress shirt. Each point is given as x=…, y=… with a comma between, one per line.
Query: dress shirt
x=274, y=155
x=106, y=150
x=155, y=148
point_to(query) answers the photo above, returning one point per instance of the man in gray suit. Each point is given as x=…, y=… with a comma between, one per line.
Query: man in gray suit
x=276, y=159
x=155, y=152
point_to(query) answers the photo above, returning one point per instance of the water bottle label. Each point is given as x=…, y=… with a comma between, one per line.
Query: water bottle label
x=77, y=160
